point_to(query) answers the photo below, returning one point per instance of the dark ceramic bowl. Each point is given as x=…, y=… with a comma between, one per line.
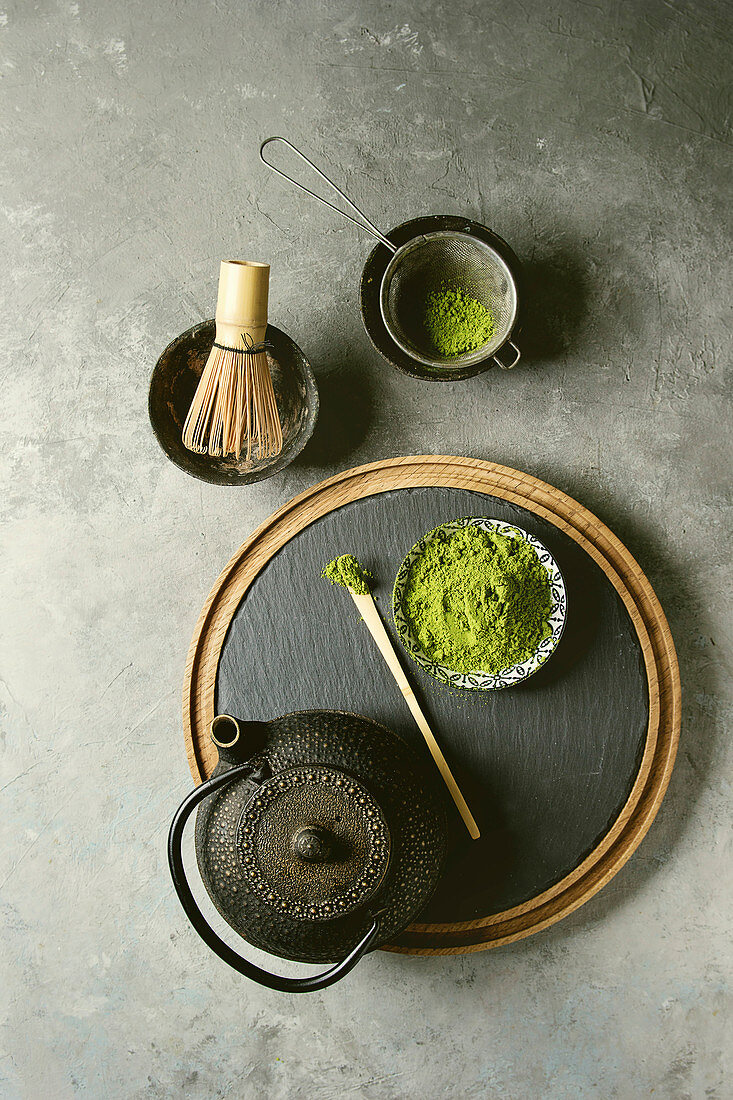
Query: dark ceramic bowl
x=173, y=384
x=371, y=282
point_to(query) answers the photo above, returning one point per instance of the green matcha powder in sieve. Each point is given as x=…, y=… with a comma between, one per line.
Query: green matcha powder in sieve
x=455, y=323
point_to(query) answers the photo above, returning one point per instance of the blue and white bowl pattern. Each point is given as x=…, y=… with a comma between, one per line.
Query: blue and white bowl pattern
x=484, y=681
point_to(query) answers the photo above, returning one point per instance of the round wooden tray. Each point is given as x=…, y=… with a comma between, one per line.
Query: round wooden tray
x=218, y=666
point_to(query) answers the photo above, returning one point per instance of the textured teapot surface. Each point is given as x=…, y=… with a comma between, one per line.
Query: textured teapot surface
x=337, y=820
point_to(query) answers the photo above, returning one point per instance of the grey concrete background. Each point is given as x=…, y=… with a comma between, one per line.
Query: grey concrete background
x=595, y=138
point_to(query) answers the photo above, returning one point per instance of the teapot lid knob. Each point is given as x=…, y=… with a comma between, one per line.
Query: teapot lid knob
x=314, y=844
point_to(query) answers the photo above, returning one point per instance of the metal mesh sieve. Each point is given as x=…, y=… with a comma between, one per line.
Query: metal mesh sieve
x=431, y=263
x=448, y=258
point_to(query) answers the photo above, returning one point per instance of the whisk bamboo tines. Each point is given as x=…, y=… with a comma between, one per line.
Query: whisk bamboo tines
x=234, y=407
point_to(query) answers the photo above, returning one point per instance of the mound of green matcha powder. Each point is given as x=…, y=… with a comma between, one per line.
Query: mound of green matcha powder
x=347, y=572
x=477, y=601
x=456, y=323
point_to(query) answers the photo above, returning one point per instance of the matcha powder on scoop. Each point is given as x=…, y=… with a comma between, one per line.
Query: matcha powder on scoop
x=347, y=572
x=477, y=601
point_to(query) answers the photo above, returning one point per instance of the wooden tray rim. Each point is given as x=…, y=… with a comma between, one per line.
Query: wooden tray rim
x=476, y=475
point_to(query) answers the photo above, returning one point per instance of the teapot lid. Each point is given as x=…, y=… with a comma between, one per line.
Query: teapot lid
x=313, y=843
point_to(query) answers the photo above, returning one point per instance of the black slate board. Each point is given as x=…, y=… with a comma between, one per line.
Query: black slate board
x=546, y=766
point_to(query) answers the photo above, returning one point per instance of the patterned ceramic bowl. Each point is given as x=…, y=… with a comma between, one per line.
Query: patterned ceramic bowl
x=484, y=681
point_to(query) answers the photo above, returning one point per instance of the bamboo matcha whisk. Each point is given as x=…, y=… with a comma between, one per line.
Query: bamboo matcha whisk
x=234, y=407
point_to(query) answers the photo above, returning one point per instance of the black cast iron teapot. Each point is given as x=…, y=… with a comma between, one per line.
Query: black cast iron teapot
x=319, y=836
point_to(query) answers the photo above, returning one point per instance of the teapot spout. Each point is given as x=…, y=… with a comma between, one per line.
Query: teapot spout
x=236, y=740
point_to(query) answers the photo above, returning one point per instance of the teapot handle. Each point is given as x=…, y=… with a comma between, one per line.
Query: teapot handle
x=207, y=933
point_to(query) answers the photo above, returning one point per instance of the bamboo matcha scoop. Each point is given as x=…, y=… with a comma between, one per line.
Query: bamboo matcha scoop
x=347, y=572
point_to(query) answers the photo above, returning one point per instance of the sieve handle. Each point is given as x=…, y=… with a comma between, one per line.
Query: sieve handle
x=365, y=223
x=517, y=356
